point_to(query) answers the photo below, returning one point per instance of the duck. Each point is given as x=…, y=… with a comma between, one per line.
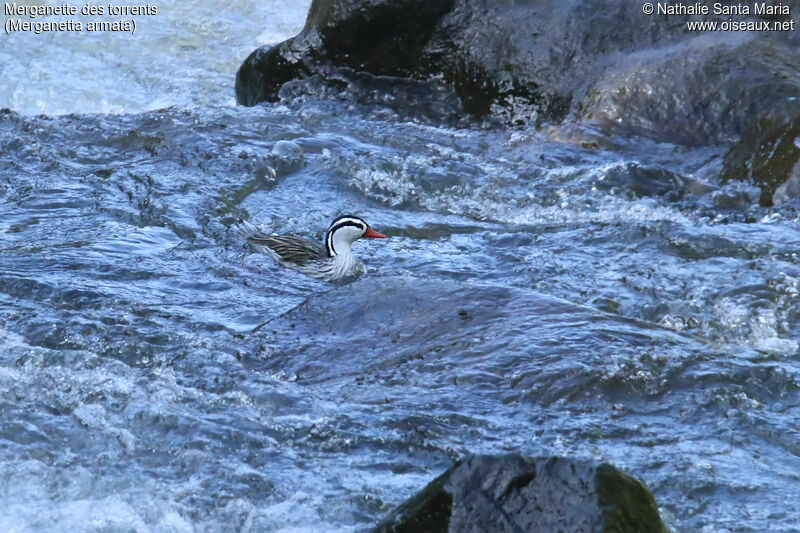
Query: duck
x=331, y=260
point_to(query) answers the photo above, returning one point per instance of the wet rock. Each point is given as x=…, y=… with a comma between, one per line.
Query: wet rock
x=548, y=60
x=768, y=152
x=377, y=36
x=514, y=493
x=704, y=89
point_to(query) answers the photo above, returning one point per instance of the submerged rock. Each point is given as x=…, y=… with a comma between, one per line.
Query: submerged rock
x=512, y=493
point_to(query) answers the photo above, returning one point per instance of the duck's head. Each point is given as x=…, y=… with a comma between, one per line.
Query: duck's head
x=346, y=230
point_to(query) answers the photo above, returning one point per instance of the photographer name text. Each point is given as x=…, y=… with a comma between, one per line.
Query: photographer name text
x=757, y=9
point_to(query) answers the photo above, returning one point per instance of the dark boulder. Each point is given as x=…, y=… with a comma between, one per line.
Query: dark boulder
x=377, y=36
x=767, y=154
x=703, y=90
x=523, y=56
x=545, y=60
x=382, y=37
x=602, y=63
x=512, y=493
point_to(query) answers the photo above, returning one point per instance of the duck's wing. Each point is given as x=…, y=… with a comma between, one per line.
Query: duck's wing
x=288, y=248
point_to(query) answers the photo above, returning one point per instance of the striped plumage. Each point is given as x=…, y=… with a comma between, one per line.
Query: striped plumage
x=332, y=261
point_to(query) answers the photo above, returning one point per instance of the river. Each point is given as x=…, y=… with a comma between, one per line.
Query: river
x=614, y=302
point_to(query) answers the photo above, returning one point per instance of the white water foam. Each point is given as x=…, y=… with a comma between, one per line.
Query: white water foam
x=187, y=54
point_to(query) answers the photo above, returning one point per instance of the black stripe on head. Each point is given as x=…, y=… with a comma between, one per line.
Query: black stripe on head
x=341, y=222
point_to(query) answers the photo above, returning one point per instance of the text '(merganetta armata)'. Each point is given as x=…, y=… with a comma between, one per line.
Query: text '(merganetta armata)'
x=30, y=17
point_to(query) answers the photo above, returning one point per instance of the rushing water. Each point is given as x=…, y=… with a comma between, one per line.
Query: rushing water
x=187, y=54
x=620, y=304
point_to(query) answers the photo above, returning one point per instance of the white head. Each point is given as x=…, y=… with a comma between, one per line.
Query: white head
x=346, y=230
